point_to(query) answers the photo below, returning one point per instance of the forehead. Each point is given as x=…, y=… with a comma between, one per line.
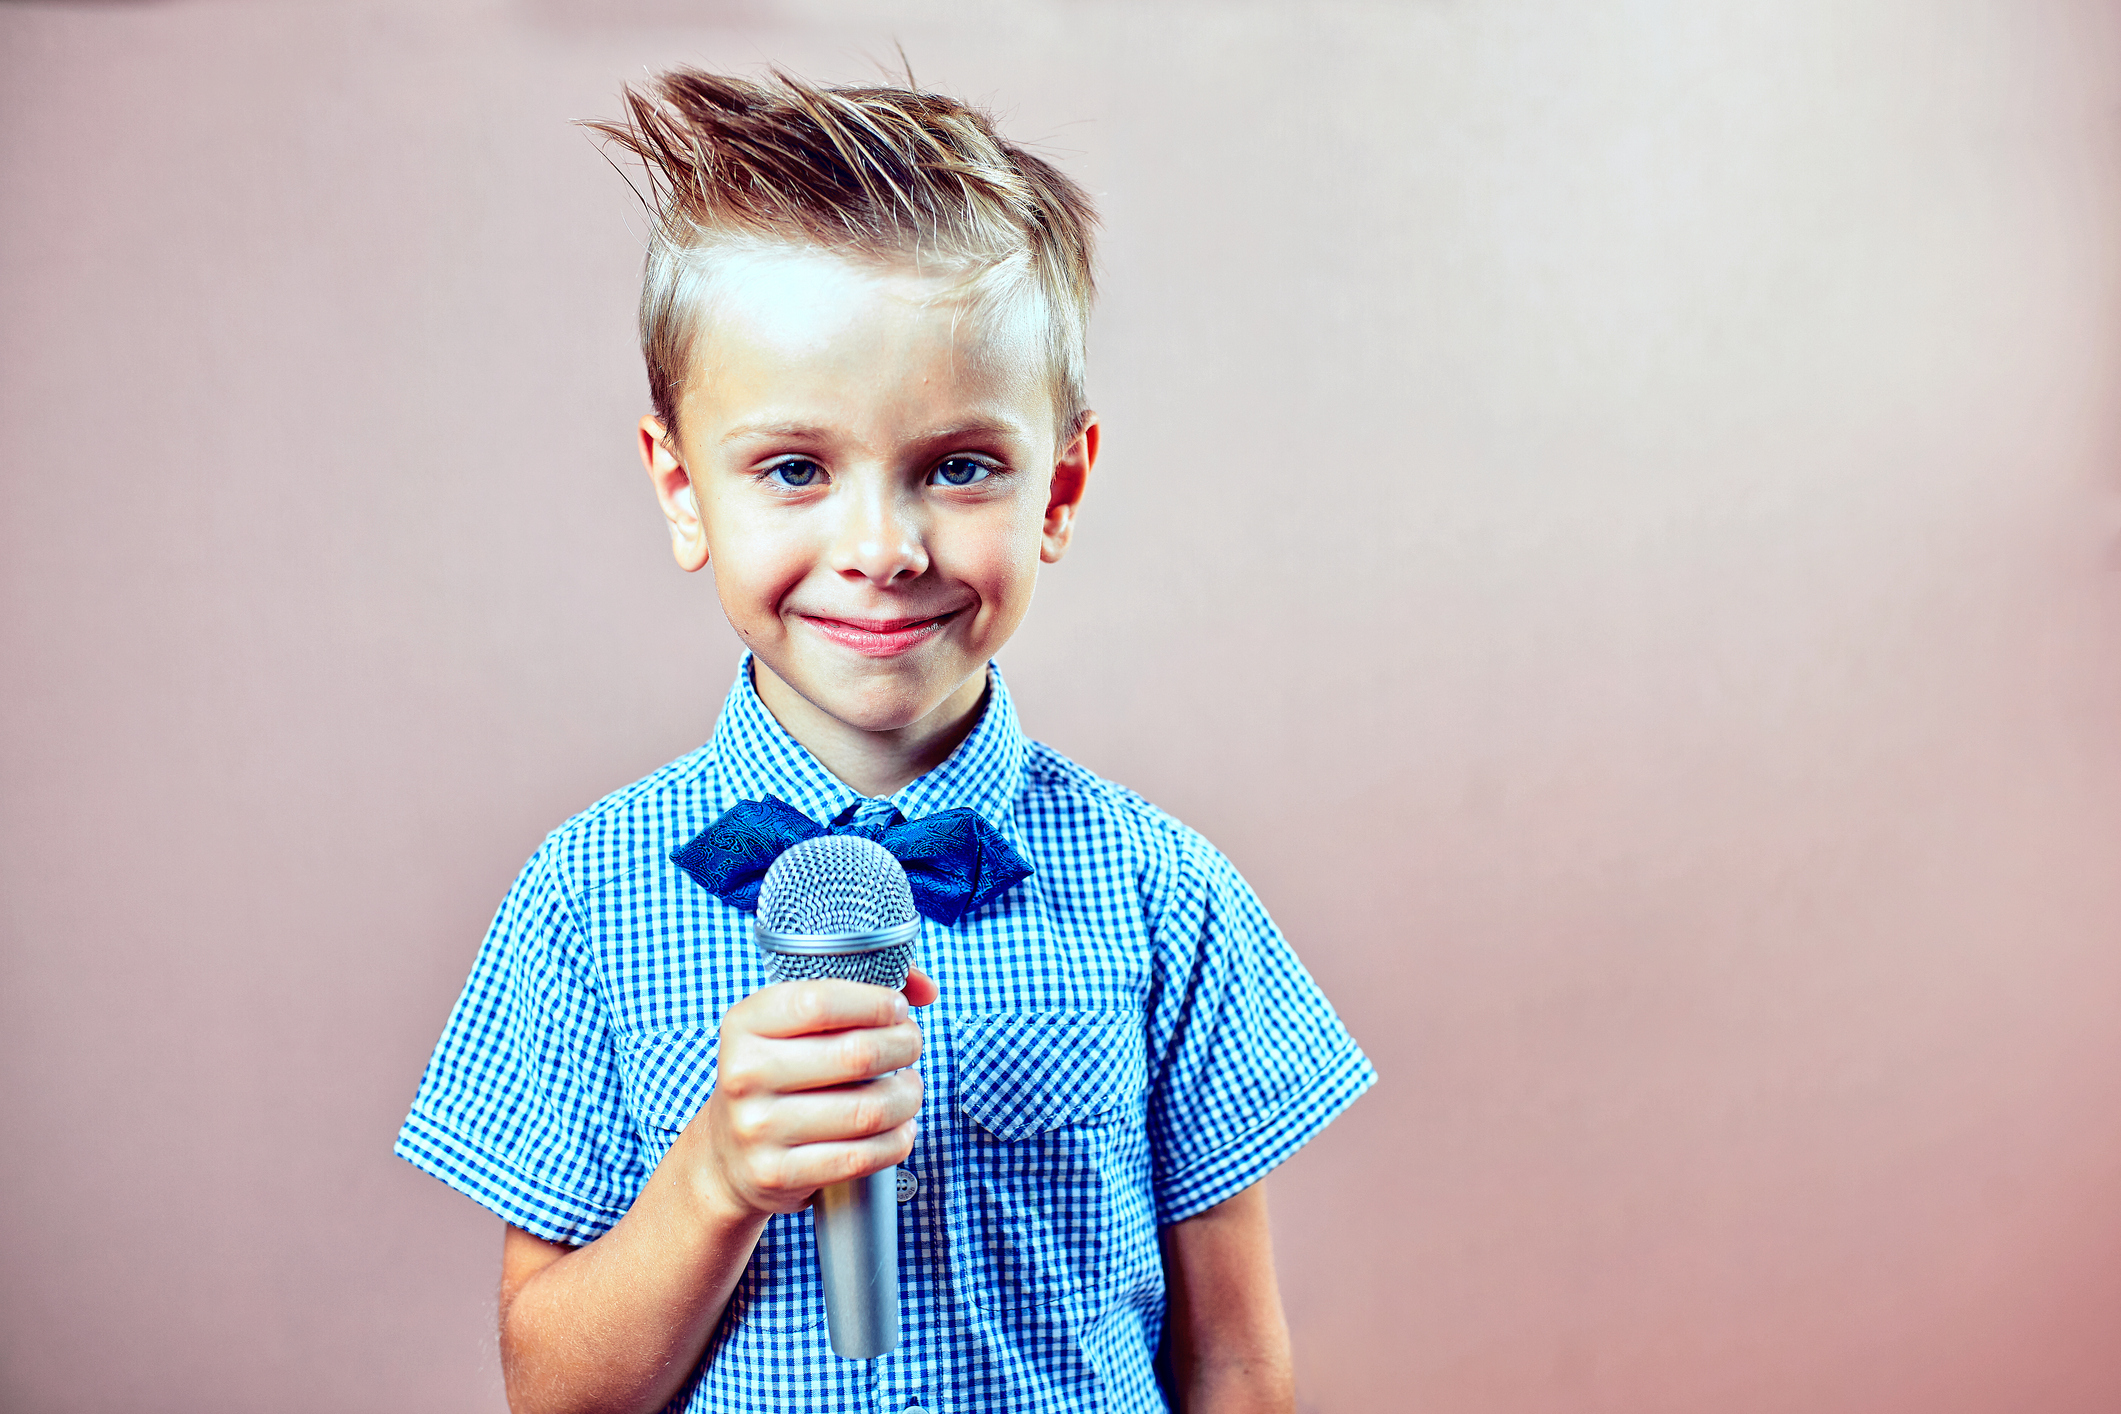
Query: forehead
x=861, y=340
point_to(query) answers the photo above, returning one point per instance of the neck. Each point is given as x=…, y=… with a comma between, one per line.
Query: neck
x=873, y=763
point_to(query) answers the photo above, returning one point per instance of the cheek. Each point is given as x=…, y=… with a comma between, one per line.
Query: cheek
x=999, y=558
x=756, y=565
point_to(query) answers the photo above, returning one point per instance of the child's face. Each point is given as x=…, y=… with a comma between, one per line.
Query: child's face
x=876, y=482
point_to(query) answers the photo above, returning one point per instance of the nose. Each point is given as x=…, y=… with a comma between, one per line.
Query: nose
x=879, y=537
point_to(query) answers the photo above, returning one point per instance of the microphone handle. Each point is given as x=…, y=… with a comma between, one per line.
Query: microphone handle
x=857, y=1252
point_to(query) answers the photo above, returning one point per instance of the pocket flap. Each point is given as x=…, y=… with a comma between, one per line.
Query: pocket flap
x=668, y=1074
x=1023, y=1072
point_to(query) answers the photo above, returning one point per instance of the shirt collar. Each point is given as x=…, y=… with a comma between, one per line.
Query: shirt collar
x=756, y=757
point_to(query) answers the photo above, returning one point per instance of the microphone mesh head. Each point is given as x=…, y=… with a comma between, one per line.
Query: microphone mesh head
x=880, y=967
x=837, y=885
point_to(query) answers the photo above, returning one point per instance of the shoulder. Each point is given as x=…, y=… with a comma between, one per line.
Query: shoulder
x=632, y=829
x=1062, y=797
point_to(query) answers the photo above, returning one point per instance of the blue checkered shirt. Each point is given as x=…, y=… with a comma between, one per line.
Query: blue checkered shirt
x=1123, y=1040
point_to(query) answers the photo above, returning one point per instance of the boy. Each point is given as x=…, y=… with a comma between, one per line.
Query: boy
x=863, y=317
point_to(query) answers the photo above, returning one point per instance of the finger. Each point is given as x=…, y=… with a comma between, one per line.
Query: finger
x=813, y=1166
x=920, y=988
x=820, y=1004
x=826, y=1116
x=762, y=1065
x=793, y=1063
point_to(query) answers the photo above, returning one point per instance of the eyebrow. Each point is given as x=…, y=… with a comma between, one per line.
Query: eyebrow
x=978, y=427
x=772, y=429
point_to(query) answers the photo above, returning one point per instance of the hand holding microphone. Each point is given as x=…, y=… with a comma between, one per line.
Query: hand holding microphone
x=837, y=905
x=815, y=1082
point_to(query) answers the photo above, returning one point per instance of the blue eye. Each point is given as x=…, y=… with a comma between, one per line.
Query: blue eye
x=795, y=474
x=962, y=471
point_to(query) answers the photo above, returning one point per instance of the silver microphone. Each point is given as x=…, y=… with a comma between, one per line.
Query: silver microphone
x=839, y=906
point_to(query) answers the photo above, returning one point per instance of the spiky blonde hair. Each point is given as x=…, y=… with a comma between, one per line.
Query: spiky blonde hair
x=890, y=174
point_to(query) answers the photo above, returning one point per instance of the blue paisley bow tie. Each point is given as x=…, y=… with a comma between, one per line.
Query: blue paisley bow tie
x=956, y=862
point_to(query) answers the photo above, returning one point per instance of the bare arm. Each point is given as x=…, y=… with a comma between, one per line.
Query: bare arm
x=617, y=1325
x=1223, y=1329
x=805, y=1095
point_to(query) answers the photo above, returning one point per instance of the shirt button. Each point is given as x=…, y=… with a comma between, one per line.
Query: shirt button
x=908, y=1185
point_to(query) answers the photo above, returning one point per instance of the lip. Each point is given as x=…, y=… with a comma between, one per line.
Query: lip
x=879, y=638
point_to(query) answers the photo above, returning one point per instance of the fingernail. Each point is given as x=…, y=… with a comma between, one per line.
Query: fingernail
x=900, y=1009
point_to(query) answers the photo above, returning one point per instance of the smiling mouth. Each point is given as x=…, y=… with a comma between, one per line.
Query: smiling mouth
x=879, y=638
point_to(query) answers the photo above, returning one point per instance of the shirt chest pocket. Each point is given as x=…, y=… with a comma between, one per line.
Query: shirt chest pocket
x=667, y=1075
x=1056, y=1158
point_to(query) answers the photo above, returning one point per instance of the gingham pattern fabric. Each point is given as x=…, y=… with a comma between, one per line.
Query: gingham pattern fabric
x=1123, y=1040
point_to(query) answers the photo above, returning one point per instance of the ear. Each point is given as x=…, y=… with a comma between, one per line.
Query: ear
x=675, y=492
x=1070, y=475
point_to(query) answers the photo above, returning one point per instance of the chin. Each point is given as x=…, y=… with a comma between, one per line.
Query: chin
x=883, y=706
x=870, y=698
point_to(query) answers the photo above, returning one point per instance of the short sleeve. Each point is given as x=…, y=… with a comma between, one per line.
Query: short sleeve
x=1248, y=1059
x=520, y=1108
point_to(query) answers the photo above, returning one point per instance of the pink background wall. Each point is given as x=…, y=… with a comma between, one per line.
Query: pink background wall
x=1609, y=517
